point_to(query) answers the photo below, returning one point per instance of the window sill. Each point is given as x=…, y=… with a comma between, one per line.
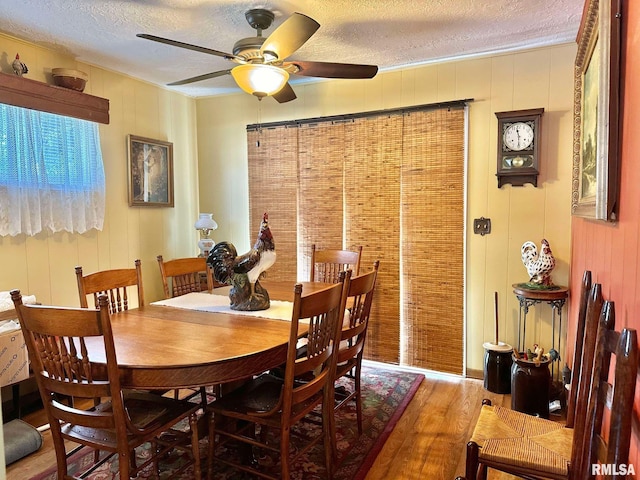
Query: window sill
x=27, y=93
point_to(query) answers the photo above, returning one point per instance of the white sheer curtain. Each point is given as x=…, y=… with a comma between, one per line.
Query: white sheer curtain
x=51, y=173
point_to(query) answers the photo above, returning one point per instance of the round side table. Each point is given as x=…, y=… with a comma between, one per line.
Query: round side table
x=556, y=298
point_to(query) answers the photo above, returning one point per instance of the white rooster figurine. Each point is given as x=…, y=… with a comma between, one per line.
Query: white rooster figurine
x=538, y=265
x=19, y=68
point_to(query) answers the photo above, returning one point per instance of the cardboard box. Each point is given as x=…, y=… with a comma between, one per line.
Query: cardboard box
x=14, y=359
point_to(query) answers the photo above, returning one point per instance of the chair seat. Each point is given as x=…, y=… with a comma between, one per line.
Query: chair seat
x=146, y=410
x=344, y=368
x=259, y=396
x=524, y=442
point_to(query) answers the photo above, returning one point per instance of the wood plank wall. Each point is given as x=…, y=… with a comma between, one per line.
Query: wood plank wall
x=609, y=250
x=528, y=79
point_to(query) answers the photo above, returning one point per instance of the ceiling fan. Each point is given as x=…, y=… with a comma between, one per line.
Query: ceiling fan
x=262, y=70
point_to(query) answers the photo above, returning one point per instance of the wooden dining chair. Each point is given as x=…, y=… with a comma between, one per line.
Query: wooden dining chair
x=61, y=343
x=116, y=284
x=610, y=446
x=179, y=277
x=353, y=336
x=553, y=451
x=581, y=323
x=326, y=265
x=276, y=403
x=183, y=275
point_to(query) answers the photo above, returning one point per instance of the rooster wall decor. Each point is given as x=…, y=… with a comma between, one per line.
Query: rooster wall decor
x=539, y=265
x=243, y=272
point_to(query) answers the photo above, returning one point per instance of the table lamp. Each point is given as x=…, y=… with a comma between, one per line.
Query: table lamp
x=205, y=224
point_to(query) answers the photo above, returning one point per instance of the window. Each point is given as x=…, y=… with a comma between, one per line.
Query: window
x=51, y=173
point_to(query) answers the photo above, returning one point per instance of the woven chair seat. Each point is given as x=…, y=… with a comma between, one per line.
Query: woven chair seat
x=516, y=439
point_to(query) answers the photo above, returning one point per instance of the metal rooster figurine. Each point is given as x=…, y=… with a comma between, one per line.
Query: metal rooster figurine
x=539, y=265
x=243, y=272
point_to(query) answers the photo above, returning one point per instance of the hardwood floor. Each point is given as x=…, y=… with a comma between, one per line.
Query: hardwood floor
x=427, y=443
x=429, y=440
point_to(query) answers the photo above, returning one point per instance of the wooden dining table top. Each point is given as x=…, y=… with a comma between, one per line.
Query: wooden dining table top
x=167, y=347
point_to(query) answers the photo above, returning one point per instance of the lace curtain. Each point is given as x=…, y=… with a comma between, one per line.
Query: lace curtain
x=51, y=173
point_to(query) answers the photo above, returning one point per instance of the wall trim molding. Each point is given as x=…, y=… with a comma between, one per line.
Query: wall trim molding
x=477, y=374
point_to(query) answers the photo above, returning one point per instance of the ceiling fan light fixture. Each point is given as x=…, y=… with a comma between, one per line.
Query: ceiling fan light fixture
x=269, y=56
x=260, y=80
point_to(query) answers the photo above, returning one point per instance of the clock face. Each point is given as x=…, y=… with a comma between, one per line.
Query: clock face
x=518, y=136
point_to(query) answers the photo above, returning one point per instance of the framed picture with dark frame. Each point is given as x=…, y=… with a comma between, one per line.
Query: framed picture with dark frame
x=595, y=177
x=150, y=172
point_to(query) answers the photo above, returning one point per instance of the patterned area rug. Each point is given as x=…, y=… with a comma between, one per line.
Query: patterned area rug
x=386, y=394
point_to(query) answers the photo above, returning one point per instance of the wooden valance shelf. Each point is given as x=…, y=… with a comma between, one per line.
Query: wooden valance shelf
x=27, y=93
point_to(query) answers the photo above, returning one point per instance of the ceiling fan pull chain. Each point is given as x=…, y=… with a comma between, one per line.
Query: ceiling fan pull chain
x=258, y=123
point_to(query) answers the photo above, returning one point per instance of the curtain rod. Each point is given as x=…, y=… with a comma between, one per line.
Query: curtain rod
x=352, y=116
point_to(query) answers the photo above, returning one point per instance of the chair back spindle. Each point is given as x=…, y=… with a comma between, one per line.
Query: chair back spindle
x=593, y=313
x=183, y=275
x=326, y=265
x=115, y=284
x=576, y=370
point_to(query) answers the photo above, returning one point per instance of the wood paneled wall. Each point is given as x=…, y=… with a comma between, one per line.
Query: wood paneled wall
x=611, y=251
x=529, y=79
x=43, y=265
x=214, y=133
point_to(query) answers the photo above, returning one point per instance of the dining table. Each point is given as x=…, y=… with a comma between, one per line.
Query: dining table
x=160, y=346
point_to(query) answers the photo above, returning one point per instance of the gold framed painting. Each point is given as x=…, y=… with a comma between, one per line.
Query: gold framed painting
x=596, y=113
x=150, y=172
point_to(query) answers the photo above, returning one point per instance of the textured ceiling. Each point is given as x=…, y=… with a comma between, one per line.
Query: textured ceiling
x=387, y=33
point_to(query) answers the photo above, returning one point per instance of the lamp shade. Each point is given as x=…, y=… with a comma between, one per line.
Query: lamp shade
x=260, y=80
x=206, y=222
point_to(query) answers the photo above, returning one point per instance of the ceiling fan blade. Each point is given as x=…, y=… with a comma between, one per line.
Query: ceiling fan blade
x=286, y=94
x=206, y=76
x=290, y=36
x=331, y=70
x=188, y=46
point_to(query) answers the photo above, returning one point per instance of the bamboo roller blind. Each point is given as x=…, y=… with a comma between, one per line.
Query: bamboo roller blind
x=372, y=167
x=273, y=167
x=432, y=214
x=395, y=185
x=321, y=193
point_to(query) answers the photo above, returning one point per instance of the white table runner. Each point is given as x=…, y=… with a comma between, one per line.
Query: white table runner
x=207, y=302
